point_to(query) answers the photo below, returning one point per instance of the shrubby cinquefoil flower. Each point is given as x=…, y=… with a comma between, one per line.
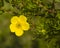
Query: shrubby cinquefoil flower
x=19, y=25
x=43, y=31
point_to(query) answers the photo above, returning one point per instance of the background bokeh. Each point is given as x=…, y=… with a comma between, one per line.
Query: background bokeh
x=43, y=17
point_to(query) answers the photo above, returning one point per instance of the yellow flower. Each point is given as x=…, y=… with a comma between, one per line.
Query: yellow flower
x=43, y=31
x=19, y=24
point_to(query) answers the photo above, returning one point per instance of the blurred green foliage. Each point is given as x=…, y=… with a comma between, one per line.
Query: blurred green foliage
x=43, y=17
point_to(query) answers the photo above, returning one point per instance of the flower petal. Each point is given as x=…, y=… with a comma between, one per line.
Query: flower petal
x=19, y=32
x=22, y=18
x=25, y=26
x=14, y=19
x=12, y=27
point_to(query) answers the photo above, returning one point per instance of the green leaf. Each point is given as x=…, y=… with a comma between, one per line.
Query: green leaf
x=7, y=6
x=58, y=15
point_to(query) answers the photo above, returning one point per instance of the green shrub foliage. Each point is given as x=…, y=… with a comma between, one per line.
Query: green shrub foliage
x=43, y=17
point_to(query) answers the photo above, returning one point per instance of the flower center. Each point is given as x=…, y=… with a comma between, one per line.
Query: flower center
x=18, y=25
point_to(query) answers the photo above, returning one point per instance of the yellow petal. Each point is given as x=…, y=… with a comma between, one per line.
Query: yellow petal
x=19, y=32
x=14, y=19
x=25, y=26
x=22, y=18
x=12, y=27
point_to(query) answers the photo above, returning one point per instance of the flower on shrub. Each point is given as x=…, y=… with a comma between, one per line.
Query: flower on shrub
x=43, y=31
x=19, y=25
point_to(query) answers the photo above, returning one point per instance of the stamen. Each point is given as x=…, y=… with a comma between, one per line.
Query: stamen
x=18, y=25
